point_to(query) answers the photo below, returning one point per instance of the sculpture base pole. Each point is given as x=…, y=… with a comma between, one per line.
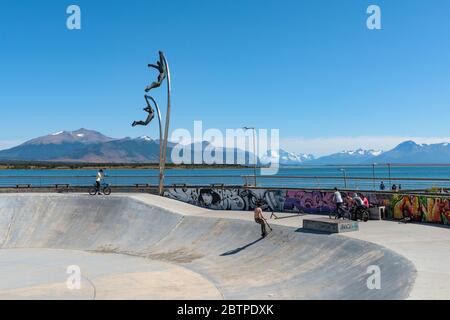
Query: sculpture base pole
x=166, y=131
x=161, y=183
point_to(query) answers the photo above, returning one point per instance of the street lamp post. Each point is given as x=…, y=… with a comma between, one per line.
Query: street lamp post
x=373, y=176
x=254, y=150
x=390, y=181
x=345, y=177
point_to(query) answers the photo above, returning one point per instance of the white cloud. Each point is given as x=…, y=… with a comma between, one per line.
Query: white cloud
x=328, y=145
x=6, y=144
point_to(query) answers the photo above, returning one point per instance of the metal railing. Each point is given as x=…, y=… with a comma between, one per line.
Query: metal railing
x=277, y=181
x=351, y=183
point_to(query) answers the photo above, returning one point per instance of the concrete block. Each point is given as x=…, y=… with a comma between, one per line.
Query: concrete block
x=377, y=213
x=330, y=225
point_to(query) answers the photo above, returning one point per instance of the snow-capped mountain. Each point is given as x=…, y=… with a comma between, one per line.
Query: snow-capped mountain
x=286, y=158
x=146, y=138
x=91, y=146
x=362, y=153
x=410, y=152
x=208, y=153
x=407, y=152
x=79, y=136
x=347, y=157
x=88, y=146
x=84, y=146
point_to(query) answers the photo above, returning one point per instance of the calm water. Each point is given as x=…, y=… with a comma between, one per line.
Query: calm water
x=314, y=177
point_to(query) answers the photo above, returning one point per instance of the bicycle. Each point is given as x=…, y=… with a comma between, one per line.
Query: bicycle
x=342, y=212
x=360, y=213
x=104, y=188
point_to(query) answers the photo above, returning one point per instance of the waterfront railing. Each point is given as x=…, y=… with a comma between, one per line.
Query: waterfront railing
x=278, y=181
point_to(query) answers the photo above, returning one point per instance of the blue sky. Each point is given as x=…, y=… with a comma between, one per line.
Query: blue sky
x=310, y=68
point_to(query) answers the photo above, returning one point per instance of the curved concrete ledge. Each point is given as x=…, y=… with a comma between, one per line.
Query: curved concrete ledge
x=221, y=251
x=427, y=246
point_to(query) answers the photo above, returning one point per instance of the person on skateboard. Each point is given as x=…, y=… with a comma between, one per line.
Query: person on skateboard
x=259, y=218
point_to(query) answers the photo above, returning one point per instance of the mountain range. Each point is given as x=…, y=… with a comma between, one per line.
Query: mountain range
x=89, y=146
x=84, y=146
x=346, y=157
x=407, y=152
x=410, y=152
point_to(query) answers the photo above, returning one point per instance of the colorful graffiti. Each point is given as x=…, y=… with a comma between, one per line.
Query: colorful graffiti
x=421, y=208
x=299, y=201
x=308, y=201
x=229, y=199
x=418, y=208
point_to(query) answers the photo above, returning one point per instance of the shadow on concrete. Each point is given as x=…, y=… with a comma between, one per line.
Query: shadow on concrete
x=237, y=250
x=307, y=231
x=428, y=224
x=288, y=216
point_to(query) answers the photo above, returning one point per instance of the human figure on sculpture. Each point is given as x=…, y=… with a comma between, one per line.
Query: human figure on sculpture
x=162, y=69
x=151, y=114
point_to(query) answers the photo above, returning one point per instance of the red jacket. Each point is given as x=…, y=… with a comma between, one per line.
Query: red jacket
x=366, y=202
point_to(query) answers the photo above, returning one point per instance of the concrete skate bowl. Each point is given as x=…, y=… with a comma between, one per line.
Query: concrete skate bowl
x=127, y=249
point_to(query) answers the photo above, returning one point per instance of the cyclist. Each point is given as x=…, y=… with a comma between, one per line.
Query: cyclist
x=99, y=179
x=358, y=204
x=357, y=200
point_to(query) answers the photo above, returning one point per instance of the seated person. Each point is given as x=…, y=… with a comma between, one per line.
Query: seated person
x=406, y=217
x=358, y=202
x=365, y=201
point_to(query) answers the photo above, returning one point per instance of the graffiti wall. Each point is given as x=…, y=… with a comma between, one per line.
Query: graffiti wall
x=421, y=208
x=229, y=199
x=246, y=199
x=418, y=208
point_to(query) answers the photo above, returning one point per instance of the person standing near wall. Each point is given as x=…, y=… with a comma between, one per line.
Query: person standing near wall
x=337, y=198
x=259, y=218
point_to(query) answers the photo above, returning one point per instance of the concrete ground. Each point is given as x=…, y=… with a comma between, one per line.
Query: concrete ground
x=143, y=246
x=42, y=274
x=427, y=246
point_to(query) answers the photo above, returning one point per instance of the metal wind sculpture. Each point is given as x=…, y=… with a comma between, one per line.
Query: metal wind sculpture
x=163, y=68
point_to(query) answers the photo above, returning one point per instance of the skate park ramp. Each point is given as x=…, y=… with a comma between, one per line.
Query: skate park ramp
x=128, y=249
